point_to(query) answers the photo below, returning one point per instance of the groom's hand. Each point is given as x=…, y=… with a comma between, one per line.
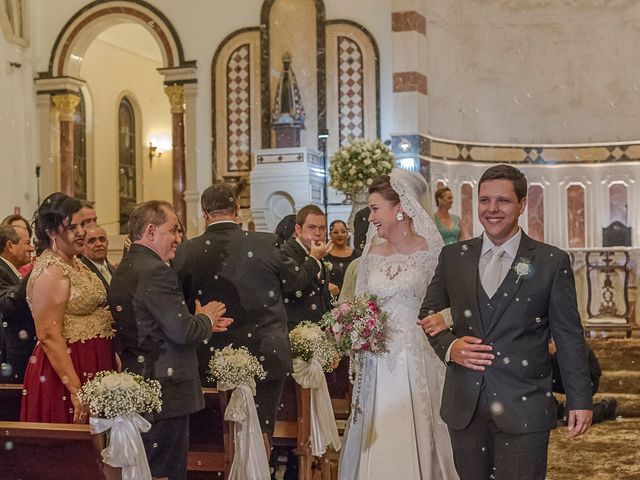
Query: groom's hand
x=471, y=353
x=578, y=422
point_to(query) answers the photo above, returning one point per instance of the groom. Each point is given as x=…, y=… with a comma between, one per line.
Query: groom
x=508, y=294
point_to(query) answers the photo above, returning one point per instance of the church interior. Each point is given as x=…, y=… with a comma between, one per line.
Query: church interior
x=117, y=102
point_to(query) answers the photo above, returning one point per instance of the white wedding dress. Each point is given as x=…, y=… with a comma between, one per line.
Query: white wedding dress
x=397, y=432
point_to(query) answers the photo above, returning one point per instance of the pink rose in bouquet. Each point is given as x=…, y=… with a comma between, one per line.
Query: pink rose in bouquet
x=358, y=325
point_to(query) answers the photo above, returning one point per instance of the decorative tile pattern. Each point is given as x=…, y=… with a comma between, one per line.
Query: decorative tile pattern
x=350, y=90
x=238, y=111
x=531, y=154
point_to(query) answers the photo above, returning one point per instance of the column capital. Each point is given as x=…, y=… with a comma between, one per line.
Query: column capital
x=66, y=105
x=176, y=97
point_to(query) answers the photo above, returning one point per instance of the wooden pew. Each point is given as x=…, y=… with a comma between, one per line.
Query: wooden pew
x=293, y=428
x=52, y=451
x=210, y=438
x=10, y=398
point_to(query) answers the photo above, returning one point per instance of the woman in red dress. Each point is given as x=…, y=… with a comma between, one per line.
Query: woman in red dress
x=73, y=325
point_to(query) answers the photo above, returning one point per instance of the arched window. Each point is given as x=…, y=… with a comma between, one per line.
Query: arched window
x=80, y=150
x=126, y=162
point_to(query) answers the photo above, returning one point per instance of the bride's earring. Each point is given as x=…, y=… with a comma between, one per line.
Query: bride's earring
x=400, y=216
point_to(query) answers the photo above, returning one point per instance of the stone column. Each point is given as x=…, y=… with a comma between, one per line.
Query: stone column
x=66, y=105
x=176, y=98
x=191, y=195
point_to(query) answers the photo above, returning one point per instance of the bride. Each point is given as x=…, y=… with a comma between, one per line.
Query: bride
x=397, y=431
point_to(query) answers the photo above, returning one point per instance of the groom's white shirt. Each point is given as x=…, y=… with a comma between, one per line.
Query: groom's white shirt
x=510, y=248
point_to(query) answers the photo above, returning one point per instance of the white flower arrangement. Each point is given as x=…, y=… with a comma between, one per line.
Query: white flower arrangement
x=309, y=341
x=522, y=268
x=110, y=394
x=354, y=166
x=235, y=366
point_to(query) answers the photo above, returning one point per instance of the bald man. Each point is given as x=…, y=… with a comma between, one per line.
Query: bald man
x=94, y=256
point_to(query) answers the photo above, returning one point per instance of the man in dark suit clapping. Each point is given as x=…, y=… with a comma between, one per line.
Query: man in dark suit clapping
x=246, y=272
x=156, y=336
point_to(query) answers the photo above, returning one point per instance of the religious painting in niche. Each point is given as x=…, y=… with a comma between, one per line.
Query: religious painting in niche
x=466, y=211
x=535, y=212
x=12, y=21
x=576, y=216
x=80, y=150
x=126, y=162
x=350, y=90
x=618, y=203
x=239, y=111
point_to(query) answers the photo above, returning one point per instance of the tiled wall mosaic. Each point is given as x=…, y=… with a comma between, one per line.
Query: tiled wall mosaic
x=351, y=90
x=238, y=111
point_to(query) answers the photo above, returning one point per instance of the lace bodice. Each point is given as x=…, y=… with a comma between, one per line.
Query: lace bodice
x=400, y=283
x=85, y=315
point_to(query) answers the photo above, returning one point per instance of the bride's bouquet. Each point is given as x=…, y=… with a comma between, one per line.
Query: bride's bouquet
x=236, y=369
x=357, y=325
x=115, y=401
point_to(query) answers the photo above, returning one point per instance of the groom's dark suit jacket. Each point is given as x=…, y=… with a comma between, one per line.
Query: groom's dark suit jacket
x=156, y=336
x=525, y=312
x=246, y=272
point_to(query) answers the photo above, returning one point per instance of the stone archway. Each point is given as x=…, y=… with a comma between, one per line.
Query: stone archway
x=59, y=86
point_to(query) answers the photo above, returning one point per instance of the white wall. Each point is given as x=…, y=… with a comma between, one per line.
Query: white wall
x=525, y=71
x=17, y=131
x=136, y=76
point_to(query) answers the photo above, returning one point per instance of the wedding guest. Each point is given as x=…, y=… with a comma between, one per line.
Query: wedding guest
x=604, y=409
x=18, y=221
x=156, y=336
x=285, y=229
x=246, y=272
x=88, y=214
x=341, y=255
x=18, y=333
x=72, y=324
x=312, y=301
x=94, y=255
x=448, y=224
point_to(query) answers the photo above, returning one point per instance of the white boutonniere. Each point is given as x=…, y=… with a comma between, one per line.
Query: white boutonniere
x=522, y=268
x=328, y=265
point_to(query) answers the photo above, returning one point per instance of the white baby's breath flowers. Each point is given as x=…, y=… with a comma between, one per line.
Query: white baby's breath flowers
x=111, y=394
x=309, y=341
x=235, y=366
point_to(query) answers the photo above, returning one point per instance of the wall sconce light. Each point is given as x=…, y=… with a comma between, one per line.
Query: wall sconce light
x=153, y=153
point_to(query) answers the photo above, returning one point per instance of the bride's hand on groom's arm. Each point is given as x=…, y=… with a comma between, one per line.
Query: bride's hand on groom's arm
x=471, y=353
x=433, y=324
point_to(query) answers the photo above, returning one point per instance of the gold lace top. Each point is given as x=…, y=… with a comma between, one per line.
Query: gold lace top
x=85, y=315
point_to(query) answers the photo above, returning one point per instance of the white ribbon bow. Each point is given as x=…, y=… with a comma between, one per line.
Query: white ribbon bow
x=250, y=458
x=323, y=422
x=125, y=449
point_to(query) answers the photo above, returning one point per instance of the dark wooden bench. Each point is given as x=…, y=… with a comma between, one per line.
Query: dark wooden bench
x=210, y=438
x=10, y=399
x=52, y=451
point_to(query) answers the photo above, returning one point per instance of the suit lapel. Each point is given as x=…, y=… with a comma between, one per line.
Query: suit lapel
x=9, y=272
x=470, y=255
x=512, y=282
